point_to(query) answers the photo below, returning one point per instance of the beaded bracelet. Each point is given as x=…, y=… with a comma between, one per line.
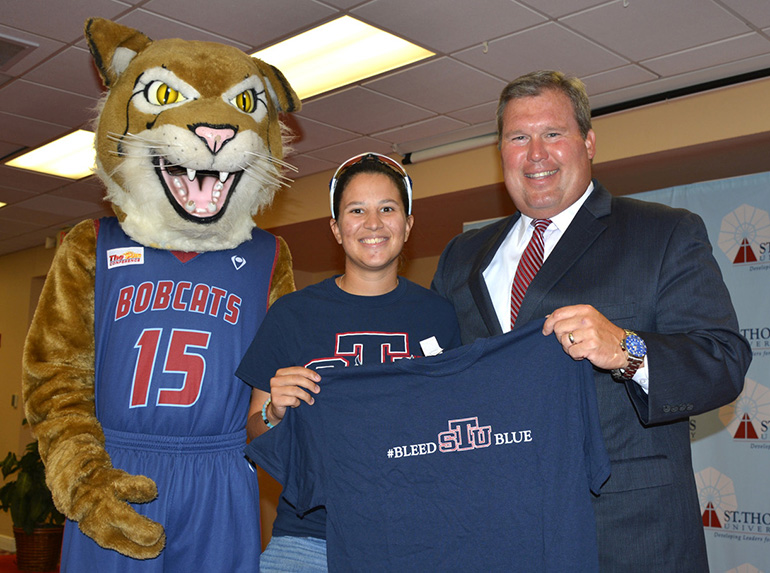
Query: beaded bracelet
x=264, y=413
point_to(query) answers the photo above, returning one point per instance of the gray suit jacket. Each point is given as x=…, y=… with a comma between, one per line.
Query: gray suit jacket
x=648, y=268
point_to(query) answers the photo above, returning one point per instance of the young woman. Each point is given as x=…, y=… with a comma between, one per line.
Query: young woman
x=368, y=314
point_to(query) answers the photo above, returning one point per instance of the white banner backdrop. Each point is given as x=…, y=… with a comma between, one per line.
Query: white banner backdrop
x=731, y=445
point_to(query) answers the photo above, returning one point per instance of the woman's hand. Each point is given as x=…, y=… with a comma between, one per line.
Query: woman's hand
x=288, y=387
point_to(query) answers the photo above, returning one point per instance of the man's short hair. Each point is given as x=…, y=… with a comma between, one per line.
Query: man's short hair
x=535, y=83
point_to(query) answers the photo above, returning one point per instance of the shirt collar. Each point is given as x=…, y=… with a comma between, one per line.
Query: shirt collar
x=562, y=220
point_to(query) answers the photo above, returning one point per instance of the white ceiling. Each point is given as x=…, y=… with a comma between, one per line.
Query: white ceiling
x=624, y=50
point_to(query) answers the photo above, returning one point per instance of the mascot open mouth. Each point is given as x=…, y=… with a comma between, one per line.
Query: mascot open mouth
x=198, y=196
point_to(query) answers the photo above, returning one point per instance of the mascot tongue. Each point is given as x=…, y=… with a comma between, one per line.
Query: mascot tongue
x=201, y=194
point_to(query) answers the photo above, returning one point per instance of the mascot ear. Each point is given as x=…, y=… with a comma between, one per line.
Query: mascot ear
x=281, y=92
x=113, y=47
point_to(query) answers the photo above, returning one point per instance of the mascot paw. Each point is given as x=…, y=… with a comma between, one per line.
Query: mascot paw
x=106, y=517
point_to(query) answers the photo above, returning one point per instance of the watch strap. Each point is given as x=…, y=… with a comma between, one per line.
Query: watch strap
x=634, y=362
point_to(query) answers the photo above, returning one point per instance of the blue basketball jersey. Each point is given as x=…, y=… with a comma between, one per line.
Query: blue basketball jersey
x=169, y=334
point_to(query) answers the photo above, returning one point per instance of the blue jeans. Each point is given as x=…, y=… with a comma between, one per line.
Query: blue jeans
x=287, y=554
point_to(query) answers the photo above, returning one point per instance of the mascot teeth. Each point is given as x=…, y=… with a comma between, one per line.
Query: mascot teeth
x=198, y=193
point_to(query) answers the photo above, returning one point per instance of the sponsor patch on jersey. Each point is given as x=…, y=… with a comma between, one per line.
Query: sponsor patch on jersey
x=125, y=256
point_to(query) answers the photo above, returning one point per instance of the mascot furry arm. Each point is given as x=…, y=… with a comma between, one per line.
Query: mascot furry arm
x=59, y=368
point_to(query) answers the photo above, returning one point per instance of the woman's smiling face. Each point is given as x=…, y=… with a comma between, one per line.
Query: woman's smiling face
x=372, y=225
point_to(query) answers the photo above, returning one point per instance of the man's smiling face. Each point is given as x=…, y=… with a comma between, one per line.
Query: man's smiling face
x=546, y=161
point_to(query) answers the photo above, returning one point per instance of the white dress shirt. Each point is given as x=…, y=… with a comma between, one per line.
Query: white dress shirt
x=502, y=269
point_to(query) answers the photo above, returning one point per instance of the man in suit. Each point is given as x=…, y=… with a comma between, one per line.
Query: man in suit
x=631, y=287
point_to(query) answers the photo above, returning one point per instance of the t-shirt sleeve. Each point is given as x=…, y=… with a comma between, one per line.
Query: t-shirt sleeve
x=451, y=331
x=442, y=317
x=597, y=459
x=293, y=455
x=267, y=351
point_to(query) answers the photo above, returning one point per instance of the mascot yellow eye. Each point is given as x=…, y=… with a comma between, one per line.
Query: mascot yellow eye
x=159, y=93
x=246, y=101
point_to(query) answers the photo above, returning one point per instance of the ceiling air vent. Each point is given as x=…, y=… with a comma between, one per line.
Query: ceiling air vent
x=13, y=50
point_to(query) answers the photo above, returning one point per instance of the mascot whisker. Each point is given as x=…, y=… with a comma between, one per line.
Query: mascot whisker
x=129, y=362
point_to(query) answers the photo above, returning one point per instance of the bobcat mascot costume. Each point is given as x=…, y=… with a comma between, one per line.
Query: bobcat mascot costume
x=129, y=362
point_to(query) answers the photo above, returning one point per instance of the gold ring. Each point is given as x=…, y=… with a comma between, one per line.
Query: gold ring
x=571, y=338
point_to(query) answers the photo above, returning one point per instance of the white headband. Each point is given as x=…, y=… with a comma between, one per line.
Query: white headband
x=393, y=164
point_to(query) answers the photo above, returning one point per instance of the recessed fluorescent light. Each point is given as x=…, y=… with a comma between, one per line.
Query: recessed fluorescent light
x=339, y=53
x=71, y=156
x=2, y=204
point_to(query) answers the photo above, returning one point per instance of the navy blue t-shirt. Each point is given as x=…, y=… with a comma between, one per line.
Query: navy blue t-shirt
x=322, y=327
x=482, y=458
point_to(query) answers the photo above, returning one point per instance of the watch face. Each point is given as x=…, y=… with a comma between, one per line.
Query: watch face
x=635, y=346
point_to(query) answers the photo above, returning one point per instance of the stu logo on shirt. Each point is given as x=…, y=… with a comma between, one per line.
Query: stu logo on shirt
x=464, y=434
x=358, y=348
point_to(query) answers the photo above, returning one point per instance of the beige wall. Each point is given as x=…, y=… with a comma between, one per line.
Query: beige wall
x=711, y=117
x=19, y=283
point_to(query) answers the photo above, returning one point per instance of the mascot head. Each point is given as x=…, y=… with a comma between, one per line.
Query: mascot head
x=188, y=142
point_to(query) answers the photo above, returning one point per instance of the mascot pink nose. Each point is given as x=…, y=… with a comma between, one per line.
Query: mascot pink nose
x=215, y=138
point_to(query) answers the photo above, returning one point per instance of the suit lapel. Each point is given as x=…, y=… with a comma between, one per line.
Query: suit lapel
x=580, y=235
x=476, y=283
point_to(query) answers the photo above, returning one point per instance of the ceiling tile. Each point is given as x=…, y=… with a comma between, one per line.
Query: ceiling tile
x=62, y=207
x=362, y=111
x=483, y=113
x=71, y=70
x=336, y=154
x=243, y=21
x=20, y=242
x=616, y=79
x=30, y=181
x=668, y=84
x=11, y=196
x=558, y=8
x=45, y=47
x=641, y=30
x=442, y=85
x=429, y=23
x=34, y=101
x=428, y=128
x=723, y=52
x=576, y=55
x=15, y=216
x=90, y=190
x=28, y=132
x=310, y=135
x=35, y=16
x=7, y=149
x=307, y=165
x=756, y=11
x=158, y=27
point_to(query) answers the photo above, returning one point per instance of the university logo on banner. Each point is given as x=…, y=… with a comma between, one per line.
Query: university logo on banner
x=747, y=419
x=726, y=515
x=744, y=237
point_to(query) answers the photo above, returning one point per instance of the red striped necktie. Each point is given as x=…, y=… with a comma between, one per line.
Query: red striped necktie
x=530, y=263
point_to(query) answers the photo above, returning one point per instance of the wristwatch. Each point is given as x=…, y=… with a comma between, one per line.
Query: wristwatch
x=635, y=349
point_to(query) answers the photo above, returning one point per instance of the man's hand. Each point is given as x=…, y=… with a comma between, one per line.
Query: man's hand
x=585, y=333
